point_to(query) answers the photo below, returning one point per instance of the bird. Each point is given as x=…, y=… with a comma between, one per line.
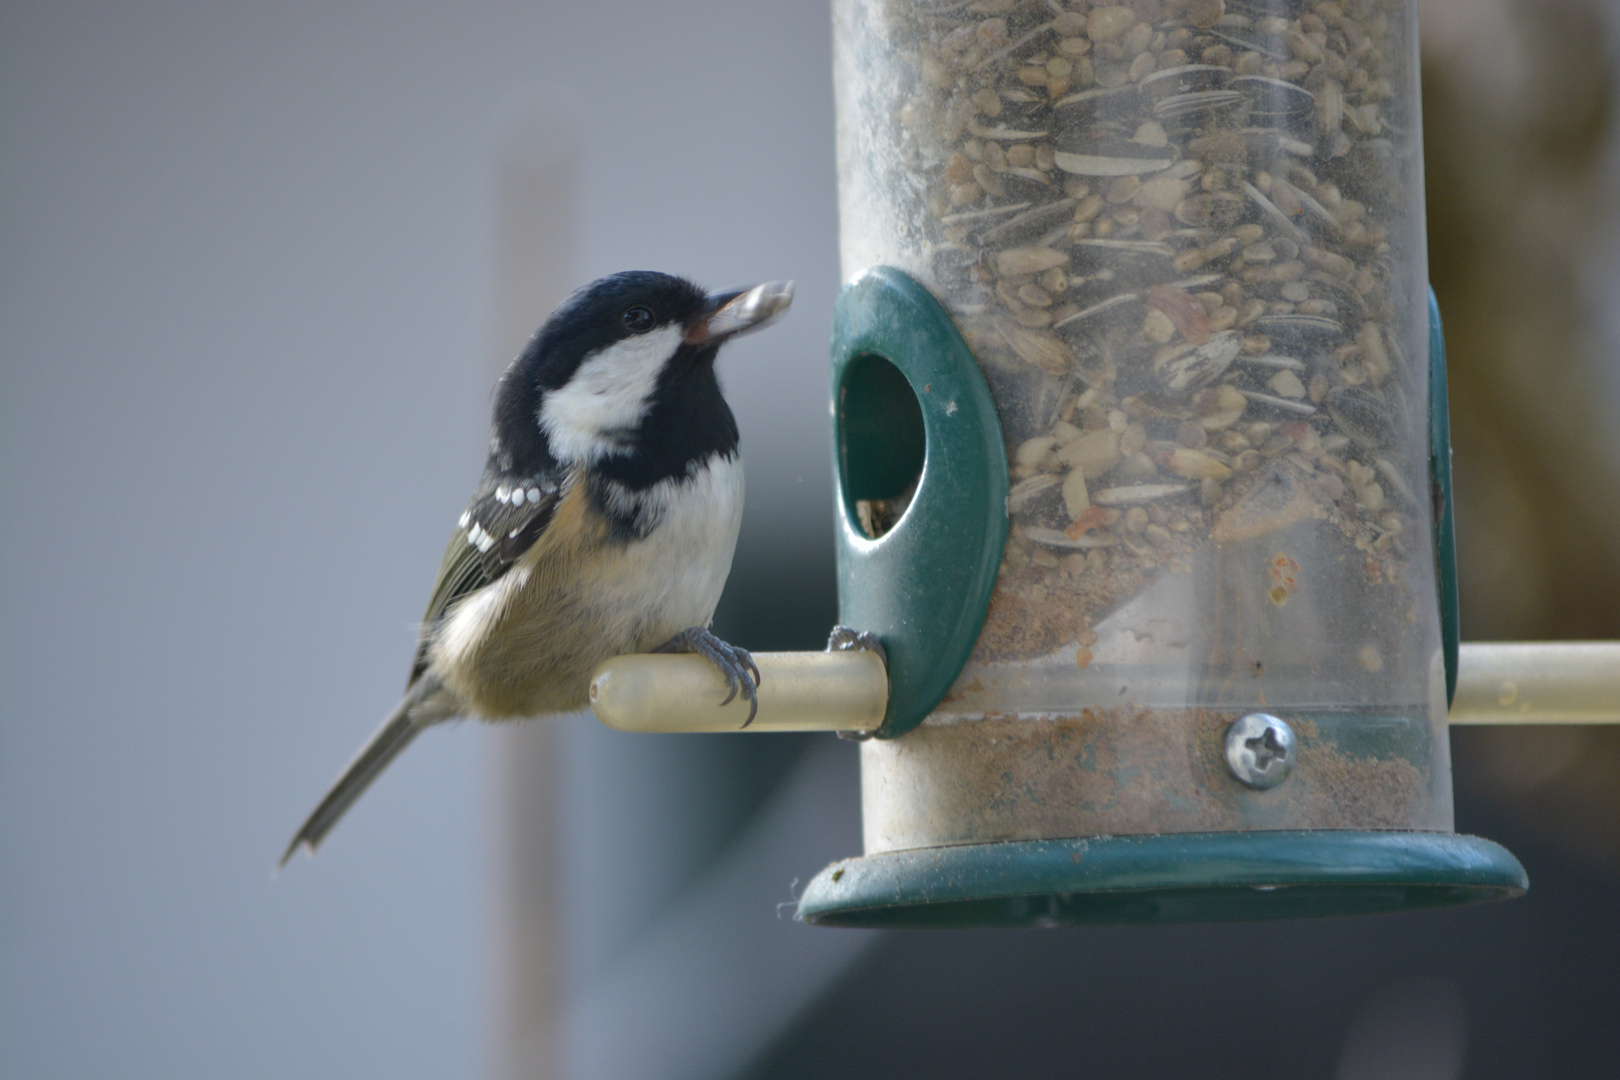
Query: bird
x=604, y=522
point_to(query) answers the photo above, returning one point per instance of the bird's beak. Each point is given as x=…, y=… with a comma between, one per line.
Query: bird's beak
x=739, y=311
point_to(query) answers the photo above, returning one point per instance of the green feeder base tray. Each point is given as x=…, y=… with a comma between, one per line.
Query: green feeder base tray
x=1174, y=878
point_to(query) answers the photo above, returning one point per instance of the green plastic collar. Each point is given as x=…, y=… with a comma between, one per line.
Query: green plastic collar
x=911, y=406
x=1191, y=877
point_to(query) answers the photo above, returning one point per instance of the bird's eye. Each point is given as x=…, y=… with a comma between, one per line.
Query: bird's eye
x=639, y=320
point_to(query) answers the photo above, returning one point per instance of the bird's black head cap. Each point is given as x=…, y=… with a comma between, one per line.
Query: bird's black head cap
x=617, y=374
x=607, y=311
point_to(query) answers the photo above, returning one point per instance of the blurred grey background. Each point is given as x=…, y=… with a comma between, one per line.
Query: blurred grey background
x=248, y=323
x=257, y=273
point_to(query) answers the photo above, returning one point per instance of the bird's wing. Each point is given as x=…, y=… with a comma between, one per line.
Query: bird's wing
x=504, y=519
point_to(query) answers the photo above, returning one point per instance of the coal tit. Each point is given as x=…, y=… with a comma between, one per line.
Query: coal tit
x=604, y=522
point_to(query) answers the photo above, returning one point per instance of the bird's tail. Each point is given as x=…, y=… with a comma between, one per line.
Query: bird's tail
x=385, y=744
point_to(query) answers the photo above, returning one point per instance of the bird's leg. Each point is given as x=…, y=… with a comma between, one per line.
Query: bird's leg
x=741, y=673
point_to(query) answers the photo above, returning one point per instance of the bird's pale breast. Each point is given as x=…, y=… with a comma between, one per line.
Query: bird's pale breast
x=527, y=644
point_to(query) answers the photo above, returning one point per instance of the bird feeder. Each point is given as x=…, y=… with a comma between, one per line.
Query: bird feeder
x=1143, y=475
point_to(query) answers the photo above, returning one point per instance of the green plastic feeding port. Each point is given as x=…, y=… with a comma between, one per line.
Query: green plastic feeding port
x=922, y=483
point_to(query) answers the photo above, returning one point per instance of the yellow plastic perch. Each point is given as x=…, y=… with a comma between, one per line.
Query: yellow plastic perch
x=1542, y=682
x=1561, y=682
x=798, y=691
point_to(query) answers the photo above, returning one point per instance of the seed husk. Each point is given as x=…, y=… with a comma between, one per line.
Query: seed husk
x=1030, y=260
x=1191, y=366
x=1111, y=157
x=1195, y=464
x=1039, y=348
x=1059, y=540
x=1110, y=304
x=1029, y=490
x=1133, y=494
x=1285, y=404
x=1183, y=79
x=1361, y=415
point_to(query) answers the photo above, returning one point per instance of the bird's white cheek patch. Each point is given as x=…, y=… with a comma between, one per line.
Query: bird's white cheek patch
x=607, y=395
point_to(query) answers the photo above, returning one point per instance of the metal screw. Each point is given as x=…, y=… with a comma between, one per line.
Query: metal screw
x=1260, y=750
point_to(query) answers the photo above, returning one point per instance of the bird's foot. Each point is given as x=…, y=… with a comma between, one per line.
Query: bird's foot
x=846, y=639
x=742, y=674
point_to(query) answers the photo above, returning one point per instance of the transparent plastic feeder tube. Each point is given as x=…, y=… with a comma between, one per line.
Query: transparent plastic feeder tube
x=1185, y=241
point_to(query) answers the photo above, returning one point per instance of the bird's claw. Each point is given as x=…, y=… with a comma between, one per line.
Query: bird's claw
x=849, y=639
x=736, y=664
